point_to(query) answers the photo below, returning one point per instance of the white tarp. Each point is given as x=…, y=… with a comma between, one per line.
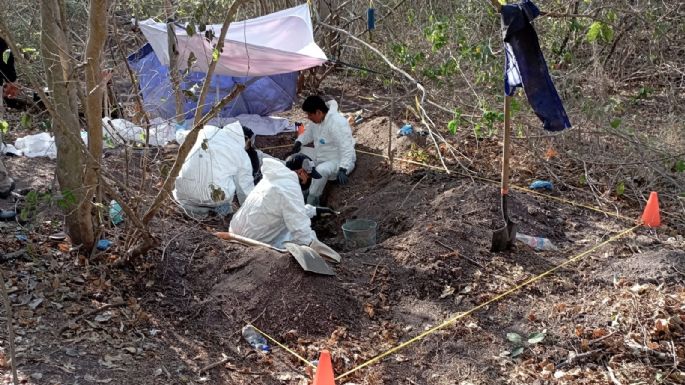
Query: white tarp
x=277, y=43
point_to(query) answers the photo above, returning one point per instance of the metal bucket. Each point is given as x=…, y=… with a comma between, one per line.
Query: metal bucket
x=360, y=232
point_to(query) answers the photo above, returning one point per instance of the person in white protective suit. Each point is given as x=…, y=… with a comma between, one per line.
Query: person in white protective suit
x=275, y=211
x=216, y=168
x=333, y=144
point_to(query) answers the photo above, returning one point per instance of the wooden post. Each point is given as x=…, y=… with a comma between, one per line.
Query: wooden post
x=390, y=120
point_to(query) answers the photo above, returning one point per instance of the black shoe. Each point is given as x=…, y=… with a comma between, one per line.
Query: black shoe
x=6, y=193
x=7, y=215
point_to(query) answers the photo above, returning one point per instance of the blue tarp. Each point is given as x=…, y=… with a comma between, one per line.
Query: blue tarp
x=267, y=95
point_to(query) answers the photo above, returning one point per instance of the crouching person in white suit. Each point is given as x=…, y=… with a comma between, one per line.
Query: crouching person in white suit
x=333, y=144
x=216, y=169
x=275, y=212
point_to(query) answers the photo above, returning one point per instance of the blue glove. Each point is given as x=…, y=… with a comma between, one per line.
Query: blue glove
x=406, y=130
x=342, y=176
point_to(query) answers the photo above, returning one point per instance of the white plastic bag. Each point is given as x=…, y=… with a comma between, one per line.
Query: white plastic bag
x=37, y=145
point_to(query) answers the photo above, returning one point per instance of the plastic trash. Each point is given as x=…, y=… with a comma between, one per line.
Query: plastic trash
x=255, y=339
x=116, y=213
x=406, y=130
x=537, y=243
x=104, y=244
x=21, y=237
x=541, y=185
x=37, y=145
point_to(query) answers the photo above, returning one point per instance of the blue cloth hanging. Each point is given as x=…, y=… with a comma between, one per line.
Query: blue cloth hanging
x=371, y=18
x=525, y=65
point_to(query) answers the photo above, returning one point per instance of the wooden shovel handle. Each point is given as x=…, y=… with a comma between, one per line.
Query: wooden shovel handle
x=506, y=151
x=225, y=235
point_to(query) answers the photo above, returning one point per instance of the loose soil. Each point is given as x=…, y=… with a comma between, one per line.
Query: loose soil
x=182, y=307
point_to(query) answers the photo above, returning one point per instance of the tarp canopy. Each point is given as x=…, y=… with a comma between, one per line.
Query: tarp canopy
x=271, y=48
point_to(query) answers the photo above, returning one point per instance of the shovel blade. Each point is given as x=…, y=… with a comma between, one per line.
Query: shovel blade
x=309, y=259
x=503, y=239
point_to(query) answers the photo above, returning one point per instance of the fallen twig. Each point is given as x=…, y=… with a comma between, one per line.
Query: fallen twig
x=214, y=365
x=10, y=328
x=231, y=368
x=13, y=255
x=373, y=276
x=612, y=376
x=90, y=313
x=660, y=355
x=577, y=357
x=456, y=252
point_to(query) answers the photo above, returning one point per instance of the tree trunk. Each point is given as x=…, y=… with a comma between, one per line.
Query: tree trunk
x=95, y=88
x=71, y=164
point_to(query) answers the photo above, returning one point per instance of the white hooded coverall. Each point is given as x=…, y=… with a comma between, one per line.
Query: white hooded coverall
x=333, y=147
x=274, y=212
x=216, y=163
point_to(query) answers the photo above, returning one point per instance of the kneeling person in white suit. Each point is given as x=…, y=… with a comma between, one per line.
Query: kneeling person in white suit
x=275, y=211
x=216, y=168
x=333, y=144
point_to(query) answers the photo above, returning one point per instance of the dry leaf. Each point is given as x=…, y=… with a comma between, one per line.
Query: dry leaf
x=661, y=325
x=551, y=153
x=599, y=332
x=531, y=317
x=447, y=291
x=653, y=345
x=584, y=345
x=104, y=317
x=560, y=307
x=368, y=308
x=579, y=331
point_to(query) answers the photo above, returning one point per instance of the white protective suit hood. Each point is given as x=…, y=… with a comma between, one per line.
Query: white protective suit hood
x=274, y=212
x=217, y=160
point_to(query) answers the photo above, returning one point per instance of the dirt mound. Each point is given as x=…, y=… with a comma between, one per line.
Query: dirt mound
x=271, y=290
x=373, y=135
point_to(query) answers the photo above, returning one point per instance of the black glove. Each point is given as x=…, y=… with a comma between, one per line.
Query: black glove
x=324, y=210
x=342, y=176
x=296, y=148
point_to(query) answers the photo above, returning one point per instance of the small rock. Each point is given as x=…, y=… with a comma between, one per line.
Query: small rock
x=645, y=240
x=37, y=376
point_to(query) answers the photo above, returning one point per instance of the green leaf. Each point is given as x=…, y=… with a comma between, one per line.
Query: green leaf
x=535, y=338
x=517, y=352
x=514, y=337
x=190, y=29
x=599, y=31
x=615, y=122
x=6, y=55
x=4, y=126
x=620, y=188
x=679, y=165
x=26, y=121
x=582, y=180
x=215, y=55
x=202, y=27
x=452, y=126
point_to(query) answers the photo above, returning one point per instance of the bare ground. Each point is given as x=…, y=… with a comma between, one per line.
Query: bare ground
x=617, y=312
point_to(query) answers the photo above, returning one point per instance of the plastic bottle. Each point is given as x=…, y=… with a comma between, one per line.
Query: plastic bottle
x=255, y=339
x=116, y=213
x=537, y=243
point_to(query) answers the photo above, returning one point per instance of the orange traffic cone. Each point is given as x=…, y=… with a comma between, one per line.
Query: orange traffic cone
x=651, y=216
x=324, y=372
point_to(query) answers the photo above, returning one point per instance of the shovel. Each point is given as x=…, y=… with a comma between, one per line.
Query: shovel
x=307, y=257
x=503, y=238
